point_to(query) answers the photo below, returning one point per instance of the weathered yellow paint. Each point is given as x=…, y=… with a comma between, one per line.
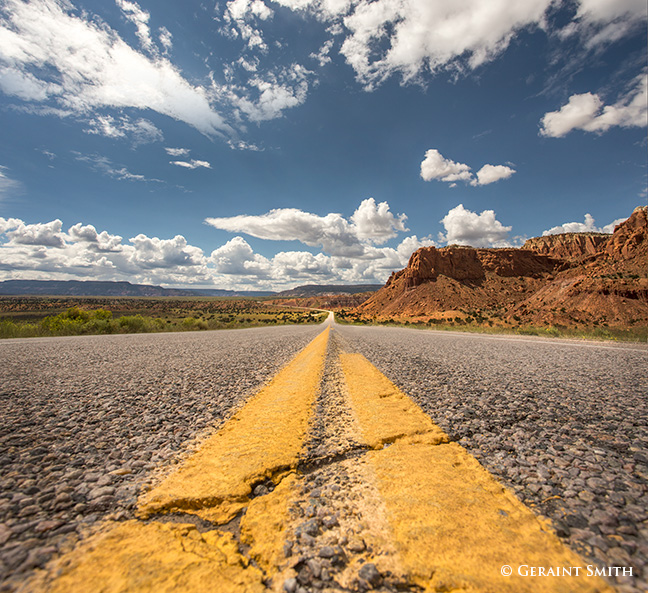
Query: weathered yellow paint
x=153, y=558
x=264, y=524
x=454, y=525
x=263, y=440
x=385, y=413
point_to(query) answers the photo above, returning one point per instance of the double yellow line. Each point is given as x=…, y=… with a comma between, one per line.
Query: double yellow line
x=453, y=524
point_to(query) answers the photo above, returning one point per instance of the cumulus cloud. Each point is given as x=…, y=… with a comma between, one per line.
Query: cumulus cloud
x=370, y=223
x=587, y=226
x=492, y=173
x=45, y=250
x=46, y=235
x=588, y=112
x=47, y=53
x=436, y=166
x=96, y=241
x=375, y=223
x=464, y=227
x=237, y=257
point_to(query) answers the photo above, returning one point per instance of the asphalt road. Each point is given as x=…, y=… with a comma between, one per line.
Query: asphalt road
x=563, y=423
x=87, y=421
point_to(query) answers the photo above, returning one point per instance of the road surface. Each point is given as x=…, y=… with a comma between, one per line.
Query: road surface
x=103, y=437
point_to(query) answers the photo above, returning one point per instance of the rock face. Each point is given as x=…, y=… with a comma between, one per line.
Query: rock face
x=570, y=279
x=567, y=245
x=469, y=264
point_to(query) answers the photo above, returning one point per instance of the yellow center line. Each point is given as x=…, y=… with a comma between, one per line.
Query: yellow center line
x=456, y=528
x=263, y=440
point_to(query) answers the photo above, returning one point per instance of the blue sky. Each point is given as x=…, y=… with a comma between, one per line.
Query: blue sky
x=270, y=143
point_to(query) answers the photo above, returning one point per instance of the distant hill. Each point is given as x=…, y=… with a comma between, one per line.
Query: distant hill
x=311, y=290
x=112, y=289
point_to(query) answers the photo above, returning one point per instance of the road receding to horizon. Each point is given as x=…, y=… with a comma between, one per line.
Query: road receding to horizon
x=330, y=458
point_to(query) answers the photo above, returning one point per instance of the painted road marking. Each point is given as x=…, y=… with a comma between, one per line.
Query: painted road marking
x=262, y=441
x=454, y=525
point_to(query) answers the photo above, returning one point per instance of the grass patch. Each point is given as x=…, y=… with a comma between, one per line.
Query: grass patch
x=28, y=317
x=639, y=334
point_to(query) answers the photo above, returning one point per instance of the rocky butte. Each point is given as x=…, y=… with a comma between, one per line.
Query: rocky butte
x=567, y=280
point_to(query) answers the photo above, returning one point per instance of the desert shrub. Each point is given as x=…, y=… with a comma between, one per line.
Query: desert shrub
x=133, y=324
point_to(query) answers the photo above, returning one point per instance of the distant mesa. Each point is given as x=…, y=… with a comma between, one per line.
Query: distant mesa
x=568, y=280
x=126, y=289
x=108, y=289
x=311, y=290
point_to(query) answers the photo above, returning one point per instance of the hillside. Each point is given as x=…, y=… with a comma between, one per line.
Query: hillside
x=566, y=280
x=316, y=290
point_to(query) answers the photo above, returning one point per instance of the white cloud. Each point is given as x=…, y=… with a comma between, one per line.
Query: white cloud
x=375, y=223
x=193, y=164
x=99, y=241
x=413, y=37
x=266, y=97
x=44, y=250
x=237, y=257
x=464, y=227
x=606, y=21
x=322, y=56
x=332, y=232
x=141, y=131
x=140, y=19
x=587, y=226
x=492, y=173
x=409, y=245
x=46, y=235
x=177, y=151
x=242, y=145
x=7, y=185
x=151, y=252
x=587, y=112
x=24, y=85
x=106, y=167
x=239, y=14
x=81, y=65
x=370, y=223
x=436, y=166
x=419, y=35
x=166, y=39
x=6, y=224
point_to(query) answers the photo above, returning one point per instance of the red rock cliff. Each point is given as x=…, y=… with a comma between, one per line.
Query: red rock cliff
x=568, y=245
